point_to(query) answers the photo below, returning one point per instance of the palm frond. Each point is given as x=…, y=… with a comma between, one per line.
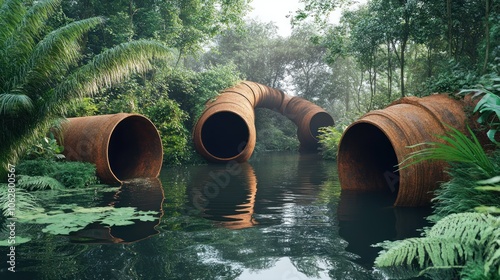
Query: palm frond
x=456, y=147
x=108, y=68
x=54, y=55
x=23, y=39
x=38, y=183
x=11, y=13
x=11, y=103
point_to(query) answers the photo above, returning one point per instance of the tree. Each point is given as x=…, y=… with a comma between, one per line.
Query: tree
x=41, y=73
x=185, y=25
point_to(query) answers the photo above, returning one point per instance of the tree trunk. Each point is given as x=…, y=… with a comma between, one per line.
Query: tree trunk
x=389, y=71
x=450, y=26
x=487, y=36
x=402, y=66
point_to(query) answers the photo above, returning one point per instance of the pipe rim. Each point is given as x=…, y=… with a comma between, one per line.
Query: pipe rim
x=240, y=156
x=149, y=124
x=396, y=176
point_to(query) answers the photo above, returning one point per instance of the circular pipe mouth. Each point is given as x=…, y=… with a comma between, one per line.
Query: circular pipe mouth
x=321, y=119
x=367, y=159
x=225, y=134
x=135, y=149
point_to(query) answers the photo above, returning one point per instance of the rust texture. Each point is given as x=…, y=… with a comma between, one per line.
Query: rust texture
x=226, y=129
x=122, y=146
x=371, y=148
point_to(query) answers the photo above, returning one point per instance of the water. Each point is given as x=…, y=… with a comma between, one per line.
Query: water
x=281, y=216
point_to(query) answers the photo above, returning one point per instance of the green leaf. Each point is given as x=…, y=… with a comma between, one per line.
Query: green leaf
x=490, y=181
x=18, y=239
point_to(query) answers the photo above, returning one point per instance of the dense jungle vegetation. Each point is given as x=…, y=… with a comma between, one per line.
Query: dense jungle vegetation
x=379, y=51
x=165, y=58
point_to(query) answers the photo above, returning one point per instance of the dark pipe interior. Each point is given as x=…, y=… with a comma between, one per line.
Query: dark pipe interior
x=320, y=119
x=369, y=159
x=224, y=134
x=128, y=143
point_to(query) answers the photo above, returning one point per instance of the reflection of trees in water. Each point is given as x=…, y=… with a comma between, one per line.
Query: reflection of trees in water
x=291, y=223
x=295, y=215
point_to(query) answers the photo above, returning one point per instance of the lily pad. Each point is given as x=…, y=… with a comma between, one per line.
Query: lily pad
x=19, y=240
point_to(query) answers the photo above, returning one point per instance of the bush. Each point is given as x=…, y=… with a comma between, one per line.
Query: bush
x=71, y=174
x=169, y=120
x=329, y=139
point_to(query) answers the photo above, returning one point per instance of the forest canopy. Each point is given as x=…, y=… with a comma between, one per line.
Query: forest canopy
x=379, y=50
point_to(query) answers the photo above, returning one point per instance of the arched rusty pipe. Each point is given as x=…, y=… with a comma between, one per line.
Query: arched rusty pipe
x=122, y=146
x=226, y=129
x=372, y=147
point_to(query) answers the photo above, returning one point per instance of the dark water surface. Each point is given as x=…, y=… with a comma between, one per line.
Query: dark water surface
x=281, y=216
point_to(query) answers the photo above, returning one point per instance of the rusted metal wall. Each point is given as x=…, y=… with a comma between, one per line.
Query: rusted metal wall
x=226, y=129
x=372, y=147
x=122, y=146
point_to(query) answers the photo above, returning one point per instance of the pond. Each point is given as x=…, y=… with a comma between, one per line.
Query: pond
x=280, y=216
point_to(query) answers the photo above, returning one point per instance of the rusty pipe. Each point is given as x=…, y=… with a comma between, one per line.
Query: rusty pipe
x=372, y=147
x=226, y=129
x=122, y=146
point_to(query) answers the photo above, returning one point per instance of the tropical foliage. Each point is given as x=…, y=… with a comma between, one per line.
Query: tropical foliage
x=454, y=242
x=42, y=72
x=464, y=242
x=455, y=147
x=329, y=139
x=41, y=173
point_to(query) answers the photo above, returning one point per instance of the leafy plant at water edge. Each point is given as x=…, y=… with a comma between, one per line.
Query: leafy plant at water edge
x=446, y=247
x=68, y=218
x=46, y=148
x=38, y=183
x=43, y=72
x=70, y=174
x=460, y=193
x=329, y=139
x=489, y=110
x=456, y=147
x=493, y=185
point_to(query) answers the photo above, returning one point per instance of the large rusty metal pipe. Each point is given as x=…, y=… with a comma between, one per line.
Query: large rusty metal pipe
x=122, y=146
x=226, y=129
x=371, y=148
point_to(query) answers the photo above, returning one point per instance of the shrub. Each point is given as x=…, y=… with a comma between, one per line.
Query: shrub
x=329, y=139
x=71, y=174
x=169, y=120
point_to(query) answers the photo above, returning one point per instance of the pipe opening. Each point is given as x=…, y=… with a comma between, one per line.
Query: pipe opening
x=320, y=119
x=368, y=159
x=225, y=134
x=134, y=148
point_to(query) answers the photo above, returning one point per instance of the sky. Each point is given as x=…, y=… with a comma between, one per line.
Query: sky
x=277, y=10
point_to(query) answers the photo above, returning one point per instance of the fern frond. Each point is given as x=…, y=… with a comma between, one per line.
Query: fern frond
x=423, y=252
x=492, y=261
x=23, y=201
x=469, y=228
x=38, y=183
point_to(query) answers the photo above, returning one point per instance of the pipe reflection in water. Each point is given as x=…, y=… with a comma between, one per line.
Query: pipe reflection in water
x=144, y=194
x=225, y=193
x=366, y=218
